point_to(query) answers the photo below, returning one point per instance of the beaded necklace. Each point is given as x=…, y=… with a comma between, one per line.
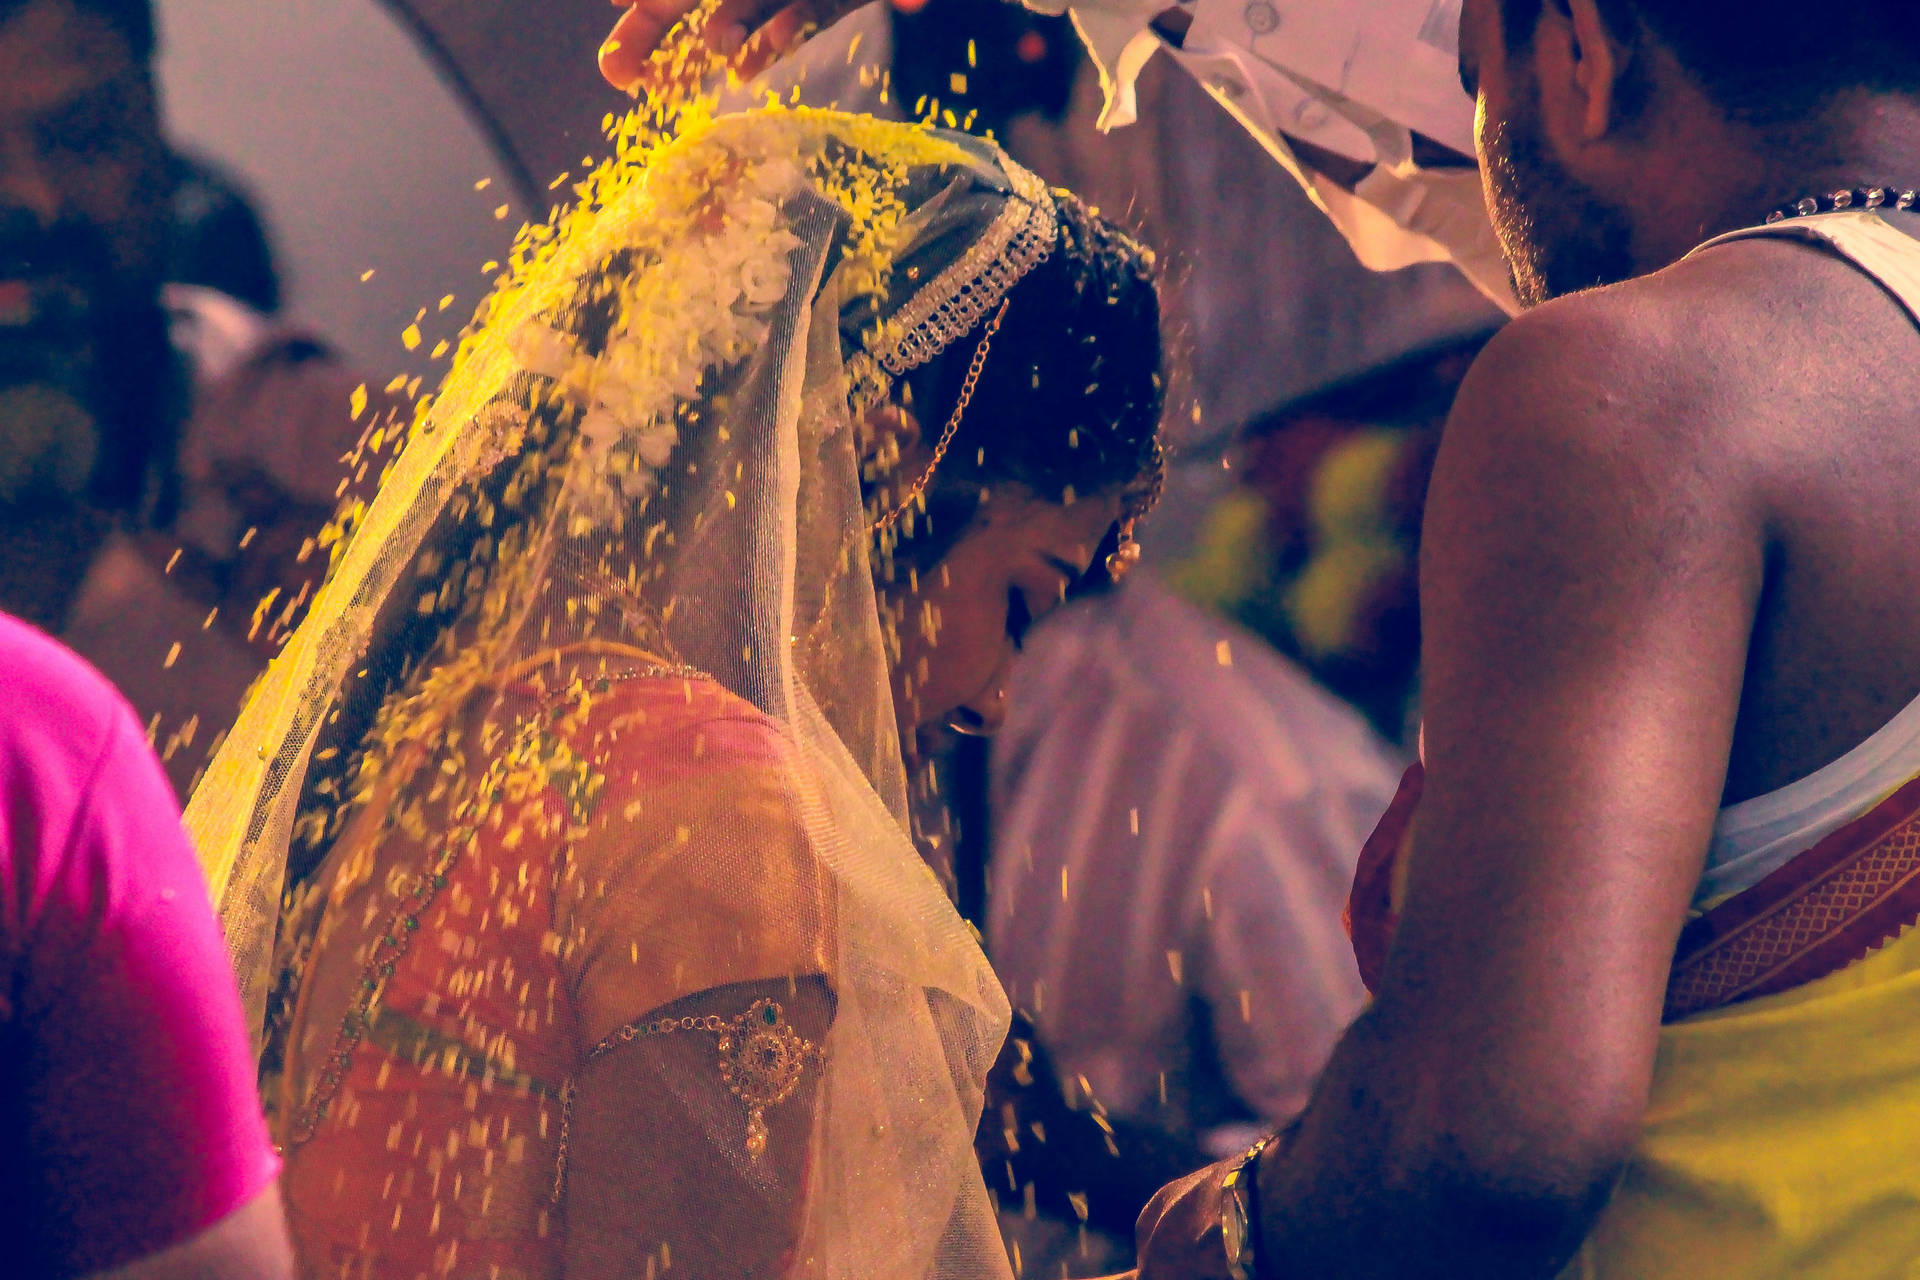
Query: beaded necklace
x=1867, y=198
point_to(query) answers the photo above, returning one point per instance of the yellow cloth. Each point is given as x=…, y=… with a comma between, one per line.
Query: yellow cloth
x=1782, y=1141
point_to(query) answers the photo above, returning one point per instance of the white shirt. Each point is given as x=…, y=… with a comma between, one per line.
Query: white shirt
x=1357, y=77
x=1177, y=814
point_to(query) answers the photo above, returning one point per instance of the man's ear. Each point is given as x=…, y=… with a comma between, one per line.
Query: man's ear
x=1583, y=65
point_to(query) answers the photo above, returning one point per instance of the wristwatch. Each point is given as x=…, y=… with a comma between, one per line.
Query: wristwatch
x=1239, y=1226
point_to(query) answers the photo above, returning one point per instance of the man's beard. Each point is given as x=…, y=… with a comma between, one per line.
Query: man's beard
x=1559, y=236
x=87, y=375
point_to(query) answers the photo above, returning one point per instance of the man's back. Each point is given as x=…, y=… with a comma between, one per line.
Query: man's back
x=1671, y=563
x=1780, y=384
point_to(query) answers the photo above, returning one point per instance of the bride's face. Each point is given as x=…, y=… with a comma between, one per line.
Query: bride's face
x=960, y=623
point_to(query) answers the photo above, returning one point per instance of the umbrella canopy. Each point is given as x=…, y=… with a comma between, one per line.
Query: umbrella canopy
x=527, y=75
x=381, y=193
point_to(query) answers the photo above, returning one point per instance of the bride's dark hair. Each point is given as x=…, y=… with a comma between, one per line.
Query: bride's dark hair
x=1070, y=398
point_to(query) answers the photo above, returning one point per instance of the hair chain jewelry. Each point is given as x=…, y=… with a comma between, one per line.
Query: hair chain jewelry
x=1020, y=238
x=919, y=487
x=1865, y=198
x=952, y=305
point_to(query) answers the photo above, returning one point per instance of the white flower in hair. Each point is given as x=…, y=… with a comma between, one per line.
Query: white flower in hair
x=763, y=283
x=601, y=429
x=765, y=277
x=656, y=446
x=542, y=350
x=696, y=309
x=637, y=484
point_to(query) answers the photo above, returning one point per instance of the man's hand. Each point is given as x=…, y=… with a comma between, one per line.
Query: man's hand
x=1179, y=1235
x=749, y=34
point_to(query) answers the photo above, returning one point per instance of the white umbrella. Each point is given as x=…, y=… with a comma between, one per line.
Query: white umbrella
x=526, y=73
x=364, y=133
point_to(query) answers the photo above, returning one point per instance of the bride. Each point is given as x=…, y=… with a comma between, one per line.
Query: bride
x=607, y=952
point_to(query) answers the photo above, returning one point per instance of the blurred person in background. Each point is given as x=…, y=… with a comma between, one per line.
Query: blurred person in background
x=219, y=240
x=131, y=1139
x=1177, y=810
x=166, y=454
x=1177, y=806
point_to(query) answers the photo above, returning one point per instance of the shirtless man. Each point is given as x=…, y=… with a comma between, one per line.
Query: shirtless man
x=1640, y=1016
x=1671, y=565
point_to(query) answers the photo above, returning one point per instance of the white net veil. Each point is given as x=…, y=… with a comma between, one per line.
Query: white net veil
x=607, y=952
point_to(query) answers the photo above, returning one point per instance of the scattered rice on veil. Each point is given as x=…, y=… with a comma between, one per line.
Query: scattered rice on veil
x=646, y=443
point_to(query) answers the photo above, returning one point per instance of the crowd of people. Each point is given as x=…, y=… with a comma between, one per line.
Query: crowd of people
x=714, y=790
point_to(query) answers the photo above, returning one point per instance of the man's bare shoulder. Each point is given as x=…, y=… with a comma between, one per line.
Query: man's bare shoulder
x=1595, y=434
x=1689, y=367
x=1587, y=384
x=1741, y=359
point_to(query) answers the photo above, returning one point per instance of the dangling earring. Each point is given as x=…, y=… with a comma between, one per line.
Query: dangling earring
x=1143, y=498
x=1124, y=556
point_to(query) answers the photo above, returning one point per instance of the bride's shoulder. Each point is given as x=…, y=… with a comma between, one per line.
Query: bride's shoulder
x=665, y=755
x=693, y=835
x=676, y=718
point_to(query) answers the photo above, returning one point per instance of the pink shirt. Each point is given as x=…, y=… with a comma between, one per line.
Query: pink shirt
x=129, y=1118
x=1177, y=813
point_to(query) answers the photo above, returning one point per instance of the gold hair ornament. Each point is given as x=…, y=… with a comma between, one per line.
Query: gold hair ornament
x=953, y=303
